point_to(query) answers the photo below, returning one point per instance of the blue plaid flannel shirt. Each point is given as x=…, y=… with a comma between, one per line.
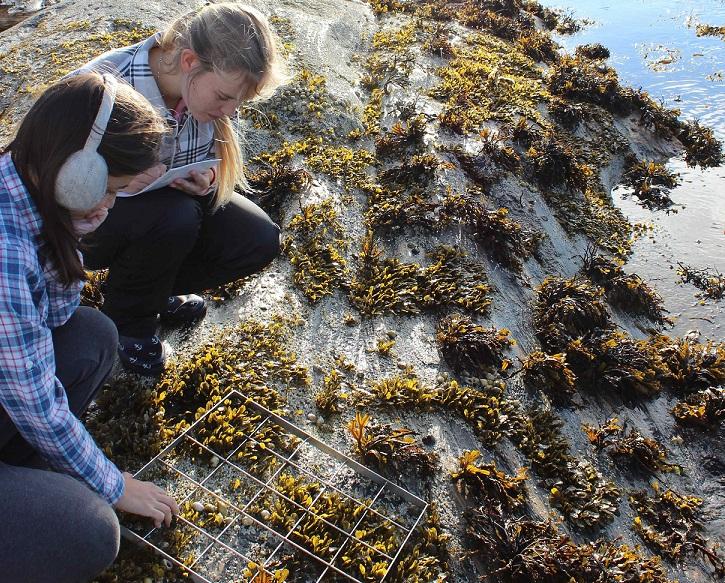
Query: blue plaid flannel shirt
x=32, y=302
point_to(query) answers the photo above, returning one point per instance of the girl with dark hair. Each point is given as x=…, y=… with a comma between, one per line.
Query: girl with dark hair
x=164, y=246
x=83, y=139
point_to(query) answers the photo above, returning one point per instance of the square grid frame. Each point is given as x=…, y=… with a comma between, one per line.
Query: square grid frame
x=417, y=506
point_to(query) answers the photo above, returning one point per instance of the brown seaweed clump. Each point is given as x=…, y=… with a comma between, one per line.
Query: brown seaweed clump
x=595, y=52
x=485, y=483
x=567, y=309
x=651, y=183
x=469, y=347
x=389, y=448
x=701, y=147
x=692, y=365
x=633, y=446
x=520, y=550
x=92, y=292
x=709, y=30
x=330, y=395
x=705, y=408
x=273, y=187
x=554, y=163
x=628, y=292
x=401, y=136
x=670, y=524
x=315, y=249
x=387, y=285
x=613, y=361
x=582, y=494
x=550, y=373
x=708, y=280
x=508, y=241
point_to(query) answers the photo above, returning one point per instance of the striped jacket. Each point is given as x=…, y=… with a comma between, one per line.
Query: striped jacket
x=191, y=141
x=32, y=302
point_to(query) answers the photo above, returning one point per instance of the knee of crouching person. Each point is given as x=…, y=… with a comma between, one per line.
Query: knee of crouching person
x=104, y=537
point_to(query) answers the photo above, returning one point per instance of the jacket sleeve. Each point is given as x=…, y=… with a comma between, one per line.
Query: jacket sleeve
x=31, y=394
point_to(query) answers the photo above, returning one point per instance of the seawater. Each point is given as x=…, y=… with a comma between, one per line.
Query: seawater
x=653, y=45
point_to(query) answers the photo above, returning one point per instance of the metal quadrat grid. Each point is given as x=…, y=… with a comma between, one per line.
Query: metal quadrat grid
x=233, y=528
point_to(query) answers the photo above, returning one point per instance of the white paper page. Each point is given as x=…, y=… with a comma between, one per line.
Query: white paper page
x=173, y=174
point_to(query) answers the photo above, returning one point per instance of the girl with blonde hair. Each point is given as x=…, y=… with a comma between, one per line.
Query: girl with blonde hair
x=164, y=246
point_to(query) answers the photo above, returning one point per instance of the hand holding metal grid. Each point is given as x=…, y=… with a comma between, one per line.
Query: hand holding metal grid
x=273, y=497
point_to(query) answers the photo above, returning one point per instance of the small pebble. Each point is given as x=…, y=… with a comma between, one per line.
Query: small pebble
x=228, y=520
x=198, y=506
x=265, y=514
x=148, y=580
x=320, y=421
x=312, y=418
x=209, y=507
x=247, y=521
x=392, y=334
x=677, y=439
x=402, y=366
x=440, y=379
x=168, y=564
x=214, y=462
x=222, y=409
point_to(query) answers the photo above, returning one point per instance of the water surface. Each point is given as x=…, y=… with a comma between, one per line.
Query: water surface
x=654, y=46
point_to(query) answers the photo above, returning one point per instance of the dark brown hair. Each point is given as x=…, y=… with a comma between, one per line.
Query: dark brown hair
x=57, y=125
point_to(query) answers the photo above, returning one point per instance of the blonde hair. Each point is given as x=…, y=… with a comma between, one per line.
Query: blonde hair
x=229, y=38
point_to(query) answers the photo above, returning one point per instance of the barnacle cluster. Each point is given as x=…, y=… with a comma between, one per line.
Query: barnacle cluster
x=315, y=249
x=671, y=524
x=566, y=309
x=576, y=487
x=470, y=347
x=650, y=183
x=520, y=550
x=390, y=448
x=387, y=285
x=626, y=291
x=550, y=373
x=633, y=446
x=708, y=280
x=487, y=484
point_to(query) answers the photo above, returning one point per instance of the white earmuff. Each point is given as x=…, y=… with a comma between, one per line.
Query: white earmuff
x=82, y=180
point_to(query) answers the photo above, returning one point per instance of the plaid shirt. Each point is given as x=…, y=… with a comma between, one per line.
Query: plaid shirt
x=32, y=302
x=190, y=141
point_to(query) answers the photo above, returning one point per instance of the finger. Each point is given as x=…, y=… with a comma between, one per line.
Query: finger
x=170, y=502
x=166, y=511
x=157, y=516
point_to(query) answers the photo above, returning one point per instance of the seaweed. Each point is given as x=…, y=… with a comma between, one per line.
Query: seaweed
x=92, y=292
x=331, y=393
x=709, y=280
x=650, y=183
x=539, y=46
x=506, y=239
x=670, y=524
x=705, y=408
x=273, y=186
x=626, y=291
x=387, y=285
x=576, y=487
x=613, y=361
x=401, y=136
x=551, y=373
x=469, y=347
x=701, y=147
x=691, y=366
x=565, y=310
x=708, y=30
x=595, y=52
x=520, y=550
x=315, y=249
x=486, y=484
x=568, y=114
x=643, y=452
x=391, y=449
x=554, y=163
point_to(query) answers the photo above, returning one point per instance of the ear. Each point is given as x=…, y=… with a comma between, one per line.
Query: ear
x=188, y=60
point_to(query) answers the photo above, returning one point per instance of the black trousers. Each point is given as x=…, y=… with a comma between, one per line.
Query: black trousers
x=54, y=528
x=165, y=243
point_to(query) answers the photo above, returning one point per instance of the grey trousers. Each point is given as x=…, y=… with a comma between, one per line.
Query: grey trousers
x=53, y=528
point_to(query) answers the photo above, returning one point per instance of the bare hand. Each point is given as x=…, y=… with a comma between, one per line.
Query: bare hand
x=141, y=181
x=90, y=222
x=147, y=499
x=197, y=184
